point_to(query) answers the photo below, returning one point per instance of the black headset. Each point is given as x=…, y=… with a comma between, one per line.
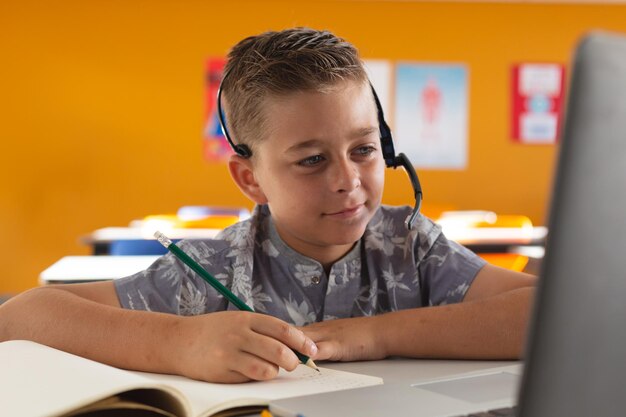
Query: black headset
x=386, y=142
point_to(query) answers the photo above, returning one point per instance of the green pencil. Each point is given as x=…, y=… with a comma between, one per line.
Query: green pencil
x=178, y=252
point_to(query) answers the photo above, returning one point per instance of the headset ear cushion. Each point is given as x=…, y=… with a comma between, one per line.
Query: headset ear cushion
x=242, y=150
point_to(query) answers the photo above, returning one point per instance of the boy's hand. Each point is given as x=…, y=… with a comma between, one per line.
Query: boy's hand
x=237, y=346
x=347, y=339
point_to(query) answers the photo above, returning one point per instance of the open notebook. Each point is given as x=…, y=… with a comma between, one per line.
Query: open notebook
x=36, y=380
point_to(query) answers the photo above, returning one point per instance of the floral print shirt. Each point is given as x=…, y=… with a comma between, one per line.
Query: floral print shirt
x=390, y=268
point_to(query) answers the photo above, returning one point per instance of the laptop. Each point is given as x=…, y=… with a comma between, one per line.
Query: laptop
x=576, y=353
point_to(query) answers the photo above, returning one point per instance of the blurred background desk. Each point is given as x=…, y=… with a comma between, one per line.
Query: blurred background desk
x=189, y=222
x=139, y=240
x=506, y=241
x=75, y=269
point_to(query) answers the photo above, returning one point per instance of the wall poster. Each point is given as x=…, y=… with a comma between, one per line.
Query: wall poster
x=215, y=147
x=431, y=114
x=537, y=97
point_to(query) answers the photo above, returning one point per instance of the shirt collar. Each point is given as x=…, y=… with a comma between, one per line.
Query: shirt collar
x=296, y=257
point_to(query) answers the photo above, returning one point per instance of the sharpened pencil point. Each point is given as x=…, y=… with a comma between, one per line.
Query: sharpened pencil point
x=312, y=365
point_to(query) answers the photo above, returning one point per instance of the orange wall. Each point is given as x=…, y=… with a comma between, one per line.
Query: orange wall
x=102, y=103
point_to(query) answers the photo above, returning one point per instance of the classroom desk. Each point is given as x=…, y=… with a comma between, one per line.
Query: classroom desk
x=103, y=241
x=402, y=370
x=500, y=240
x=414, y=371
x=75, y=269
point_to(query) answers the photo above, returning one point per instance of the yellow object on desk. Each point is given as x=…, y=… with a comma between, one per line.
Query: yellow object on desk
x=209, y=222
x=197, y=217
x=507, y=220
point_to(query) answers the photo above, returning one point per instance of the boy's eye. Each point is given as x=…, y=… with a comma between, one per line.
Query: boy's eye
x=311, y=161
x=365, y=150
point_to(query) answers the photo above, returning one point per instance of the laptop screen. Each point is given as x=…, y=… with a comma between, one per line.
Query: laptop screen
x=576, y=362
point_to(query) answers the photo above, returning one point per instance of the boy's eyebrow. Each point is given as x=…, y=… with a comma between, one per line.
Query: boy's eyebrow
x=303, y=145
x=364, y=131
x=358, y=133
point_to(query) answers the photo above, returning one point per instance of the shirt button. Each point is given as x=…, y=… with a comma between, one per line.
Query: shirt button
x=315, y=279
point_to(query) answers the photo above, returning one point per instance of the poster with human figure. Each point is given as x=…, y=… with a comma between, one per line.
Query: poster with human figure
x=431, y=115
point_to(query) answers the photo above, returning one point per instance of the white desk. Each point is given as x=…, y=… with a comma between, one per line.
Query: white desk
x=73, y=269
x=415, y=370
x=509, y=236
x=399, y=374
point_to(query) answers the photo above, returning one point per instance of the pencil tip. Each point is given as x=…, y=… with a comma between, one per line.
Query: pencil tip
x=312, y=365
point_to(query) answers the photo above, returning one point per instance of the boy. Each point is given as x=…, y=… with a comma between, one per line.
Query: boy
x=320, y=252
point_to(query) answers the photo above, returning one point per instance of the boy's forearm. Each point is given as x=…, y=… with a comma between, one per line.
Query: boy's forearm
x=60, y=319
x=491, y=328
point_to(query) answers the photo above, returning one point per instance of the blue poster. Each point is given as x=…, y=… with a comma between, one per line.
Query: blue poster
x=431, y=115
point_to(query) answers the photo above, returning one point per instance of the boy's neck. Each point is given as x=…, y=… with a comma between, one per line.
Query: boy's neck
x=328, y=257
x=325, y=255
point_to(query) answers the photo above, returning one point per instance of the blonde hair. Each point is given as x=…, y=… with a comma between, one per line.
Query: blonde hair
x=279, y=63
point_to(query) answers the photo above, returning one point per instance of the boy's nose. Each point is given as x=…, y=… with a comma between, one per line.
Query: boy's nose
x=346, y=177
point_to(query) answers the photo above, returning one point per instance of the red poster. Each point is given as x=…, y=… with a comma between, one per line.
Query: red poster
x=537, y=99
x=215, y=146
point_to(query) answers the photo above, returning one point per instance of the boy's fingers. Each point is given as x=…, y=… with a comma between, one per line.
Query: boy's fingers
x=252, y=366
x=272, y=351
x=314, y=333
x=284, y=332
x=231, y=377
x=327, y=351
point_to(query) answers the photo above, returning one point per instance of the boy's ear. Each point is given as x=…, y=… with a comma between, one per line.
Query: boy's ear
x=242, y=171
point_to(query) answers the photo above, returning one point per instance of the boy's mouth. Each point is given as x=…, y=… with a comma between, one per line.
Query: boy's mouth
x=347, y=212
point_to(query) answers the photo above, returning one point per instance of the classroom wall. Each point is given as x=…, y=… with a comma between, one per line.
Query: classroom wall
x=102, y=106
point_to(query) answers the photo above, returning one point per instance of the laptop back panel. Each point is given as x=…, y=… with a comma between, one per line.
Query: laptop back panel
x=576, y=364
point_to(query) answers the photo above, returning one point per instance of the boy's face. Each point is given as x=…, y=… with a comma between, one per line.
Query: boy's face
x=320, y=168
